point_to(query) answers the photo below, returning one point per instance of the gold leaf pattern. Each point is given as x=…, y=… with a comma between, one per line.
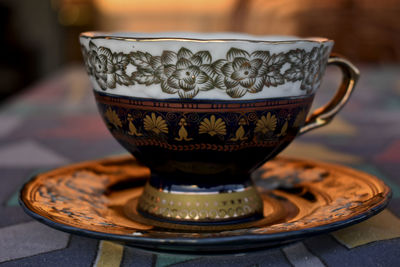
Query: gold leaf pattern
x=113, y=118
x=155, y=124
x=300, y=118
x=284, y=129
x=212, y=126
x=266, y=124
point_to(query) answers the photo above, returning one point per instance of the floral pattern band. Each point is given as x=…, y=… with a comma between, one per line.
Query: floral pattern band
x=186, y=73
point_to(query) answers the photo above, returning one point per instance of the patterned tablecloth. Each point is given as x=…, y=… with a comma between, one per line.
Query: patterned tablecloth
x=56, y=123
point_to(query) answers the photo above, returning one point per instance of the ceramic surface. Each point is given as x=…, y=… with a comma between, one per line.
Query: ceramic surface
x=203, y=113
x=302, y=198
x=203, y=147
x=201, y=66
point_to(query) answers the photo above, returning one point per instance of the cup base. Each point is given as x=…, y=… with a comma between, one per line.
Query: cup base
x=201, y=208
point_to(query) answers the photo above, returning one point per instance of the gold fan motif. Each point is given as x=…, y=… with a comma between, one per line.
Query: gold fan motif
x=155, y=124
x=266, y=124
x=113, y=118
x=212, y=126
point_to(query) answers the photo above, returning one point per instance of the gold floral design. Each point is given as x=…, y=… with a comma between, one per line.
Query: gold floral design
x=240, y=73
x=266, y=124
x=113, y=118
x=155, y=124
x=307, y=67
x=186, y=73
x=106, y=67
x=212, y=126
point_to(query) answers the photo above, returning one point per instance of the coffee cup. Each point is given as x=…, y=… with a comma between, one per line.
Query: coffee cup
x=203, y=111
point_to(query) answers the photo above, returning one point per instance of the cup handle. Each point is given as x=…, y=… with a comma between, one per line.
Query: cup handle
x=325, y=114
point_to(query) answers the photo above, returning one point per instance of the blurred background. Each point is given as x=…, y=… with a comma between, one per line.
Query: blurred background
x=41, y=36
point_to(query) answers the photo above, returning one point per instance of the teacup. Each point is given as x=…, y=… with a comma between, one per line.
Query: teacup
x=203, y=111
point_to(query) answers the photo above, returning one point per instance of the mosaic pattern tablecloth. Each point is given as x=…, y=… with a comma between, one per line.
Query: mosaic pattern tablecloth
x=56, y=123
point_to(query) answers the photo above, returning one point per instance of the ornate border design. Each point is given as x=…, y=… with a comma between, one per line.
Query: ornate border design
x=185, y=73
x=200, y=207
x=189, y=126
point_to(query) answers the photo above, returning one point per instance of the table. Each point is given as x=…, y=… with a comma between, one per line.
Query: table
x=55, y=122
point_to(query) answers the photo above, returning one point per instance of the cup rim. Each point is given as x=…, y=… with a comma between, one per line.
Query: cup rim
x=168, y=36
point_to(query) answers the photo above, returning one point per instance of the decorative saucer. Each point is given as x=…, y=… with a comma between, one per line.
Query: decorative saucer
x=301, y=198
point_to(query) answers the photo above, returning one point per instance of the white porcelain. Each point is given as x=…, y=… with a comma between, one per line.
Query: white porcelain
x=223, y=66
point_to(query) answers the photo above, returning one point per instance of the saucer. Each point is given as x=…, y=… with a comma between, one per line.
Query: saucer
x=301, y=198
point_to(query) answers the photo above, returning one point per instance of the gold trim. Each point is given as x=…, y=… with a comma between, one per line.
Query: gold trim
x=109, y=36
x=195, y=207
x=274, y=211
